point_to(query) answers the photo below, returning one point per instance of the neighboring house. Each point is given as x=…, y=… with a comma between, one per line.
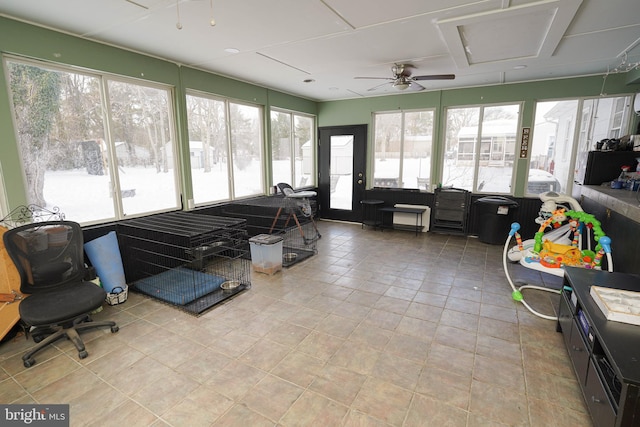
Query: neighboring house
x=497, y=147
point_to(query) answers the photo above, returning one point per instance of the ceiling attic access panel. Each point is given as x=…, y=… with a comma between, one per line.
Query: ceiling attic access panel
x=531, y=30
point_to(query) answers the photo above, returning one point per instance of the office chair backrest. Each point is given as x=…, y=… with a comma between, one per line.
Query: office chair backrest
x=47, y=254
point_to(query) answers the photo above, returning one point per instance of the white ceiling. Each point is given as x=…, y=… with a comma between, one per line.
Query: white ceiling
x=282, y=43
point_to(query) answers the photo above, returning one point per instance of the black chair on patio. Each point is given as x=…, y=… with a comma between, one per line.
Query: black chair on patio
x=50, y=259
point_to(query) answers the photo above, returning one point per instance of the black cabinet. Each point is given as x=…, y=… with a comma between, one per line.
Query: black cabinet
x=605, y=354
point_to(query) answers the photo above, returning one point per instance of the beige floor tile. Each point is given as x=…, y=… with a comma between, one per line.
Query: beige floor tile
x=75, y=384
x=383, y=401
x=137, y=375
x=499, y=349
x=408, y=347
x=445, y=386
x=371, y=335
x=337, y=325
x=499, y=404
x=241, y=415
x=320, y=345
x=455, y=337
x=425, y=335
x=356, y=357
x=11, y=391
x=202, y=407
x=428, y=412
x=507, y=331
x=423, y=329
x=356, y=418
x=499, y=373
x=288, y=334
x=161, y=395
x=561, y=390
x=128, y=414
x=264, y=354
x=423, y=311
x=312, y=409
x=397, y=370
x=548, y=414
x=337, y=383
x=236, y=379
x=272, y=397
x=450, y=359
x=94, y=405
x=46, y=372
x=383, y=319
x=299, y=368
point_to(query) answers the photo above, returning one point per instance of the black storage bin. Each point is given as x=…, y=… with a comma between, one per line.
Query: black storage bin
x=495, y=216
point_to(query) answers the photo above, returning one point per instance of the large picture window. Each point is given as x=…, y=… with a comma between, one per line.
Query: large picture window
x=96, y=148
x=480, y=145
x=293, y=159
x=403, y=142
x=556, y=143
x=225, y=149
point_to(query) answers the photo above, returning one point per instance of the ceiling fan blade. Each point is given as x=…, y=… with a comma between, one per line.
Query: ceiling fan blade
x=377, y=78
x=435, y=77
x=377, y=87
x=415, y=86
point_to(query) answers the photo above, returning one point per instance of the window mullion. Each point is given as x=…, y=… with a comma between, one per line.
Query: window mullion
x=112, y=164
x=230, y=159
x=292, y=150
x=401, y=153
x=477, y=154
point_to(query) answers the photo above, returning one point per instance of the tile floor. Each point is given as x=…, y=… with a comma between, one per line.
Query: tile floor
x=377, y=329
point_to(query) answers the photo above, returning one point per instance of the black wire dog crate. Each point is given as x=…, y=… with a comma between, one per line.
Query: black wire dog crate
x=291, y=218
x=188, y=260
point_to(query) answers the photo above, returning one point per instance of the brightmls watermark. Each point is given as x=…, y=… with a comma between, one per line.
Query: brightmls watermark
x=34, y=415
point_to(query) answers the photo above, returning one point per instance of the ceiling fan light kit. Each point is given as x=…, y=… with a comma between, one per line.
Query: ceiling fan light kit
x=402, y=79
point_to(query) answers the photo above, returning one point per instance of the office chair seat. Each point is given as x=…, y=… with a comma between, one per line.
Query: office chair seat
x=61, y=305
x=50, y=259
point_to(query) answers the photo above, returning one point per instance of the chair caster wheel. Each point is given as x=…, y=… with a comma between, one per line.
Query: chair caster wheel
x=114, y=329
x=37, y=338
x=29, y=363
x=83, y=354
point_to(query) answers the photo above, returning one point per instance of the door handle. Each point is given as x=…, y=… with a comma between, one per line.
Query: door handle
x=360, y=181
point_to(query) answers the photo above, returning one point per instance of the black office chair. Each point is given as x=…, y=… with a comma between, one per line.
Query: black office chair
x=50, y=258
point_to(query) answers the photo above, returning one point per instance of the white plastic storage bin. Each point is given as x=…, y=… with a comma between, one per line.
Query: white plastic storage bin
x=266, y=253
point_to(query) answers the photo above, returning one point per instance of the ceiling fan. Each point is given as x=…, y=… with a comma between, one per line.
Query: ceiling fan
x=402, y=79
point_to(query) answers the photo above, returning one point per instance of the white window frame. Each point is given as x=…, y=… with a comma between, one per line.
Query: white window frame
x=314, y=152
x=104, y=78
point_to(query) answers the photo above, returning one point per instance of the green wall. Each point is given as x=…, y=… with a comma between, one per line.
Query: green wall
x=28, y=41
x=24, y=40
x=360, y=111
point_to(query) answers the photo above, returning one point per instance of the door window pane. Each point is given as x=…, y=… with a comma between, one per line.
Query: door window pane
x=208, y=149
x=341, y=172
x=144, y=147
